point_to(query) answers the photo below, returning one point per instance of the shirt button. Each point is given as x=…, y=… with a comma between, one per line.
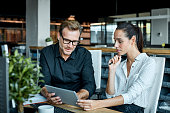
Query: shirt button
x=66, y=73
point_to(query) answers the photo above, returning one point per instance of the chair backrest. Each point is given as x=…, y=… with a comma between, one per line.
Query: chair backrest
x=156, y=88
x=97, y=62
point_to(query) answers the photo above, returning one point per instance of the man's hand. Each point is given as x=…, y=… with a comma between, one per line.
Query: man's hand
x=52, y=99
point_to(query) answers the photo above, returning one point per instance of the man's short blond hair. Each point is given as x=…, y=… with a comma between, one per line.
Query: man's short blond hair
x=72, y=25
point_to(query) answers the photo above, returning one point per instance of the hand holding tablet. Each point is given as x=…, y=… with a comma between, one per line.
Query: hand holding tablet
x=66, y=96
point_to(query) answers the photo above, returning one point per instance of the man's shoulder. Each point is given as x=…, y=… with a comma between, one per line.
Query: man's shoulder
x=48, y=49
x=82, y=50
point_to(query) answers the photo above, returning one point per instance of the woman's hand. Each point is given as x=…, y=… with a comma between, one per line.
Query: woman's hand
x=89, y=104
x=114, y=62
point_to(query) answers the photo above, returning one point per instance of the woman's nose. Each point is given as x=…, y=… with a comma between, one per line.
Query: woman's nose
x=116, y=44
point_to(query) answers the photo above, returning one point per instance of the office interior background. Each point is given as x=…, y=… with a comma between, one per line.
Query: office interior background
x=99, y=20
x=103, y=13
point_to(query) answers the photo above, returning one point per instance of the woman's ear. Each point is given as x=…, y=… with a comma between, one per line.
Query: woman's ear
x=133, y=40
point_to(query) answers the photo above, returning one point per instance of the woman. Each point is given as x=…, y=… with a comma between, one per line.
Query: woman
x=129, y=81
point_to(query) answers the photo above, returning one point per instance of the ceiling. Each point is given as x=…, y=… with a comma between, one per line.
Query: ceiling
x=87, y=10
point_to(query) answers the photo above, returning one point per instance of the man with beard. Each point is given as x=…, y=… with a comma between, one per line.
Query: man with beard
x=67, y=65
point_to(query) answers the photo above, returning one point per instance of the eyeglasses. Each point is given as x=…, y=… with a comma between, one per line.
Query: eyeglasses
x=67, y=41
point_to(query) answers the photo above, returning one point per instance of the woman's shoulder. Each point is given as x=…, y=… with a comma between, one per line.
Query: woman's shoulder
x=148, y=59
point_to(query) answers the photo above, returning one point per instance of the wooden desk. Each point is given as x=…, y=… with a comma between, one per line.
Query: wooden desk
x=156, y=51
x=80, y=110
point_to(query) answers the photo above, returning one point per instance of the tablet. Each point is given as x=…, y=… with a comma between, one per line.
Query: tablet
x=67, y=96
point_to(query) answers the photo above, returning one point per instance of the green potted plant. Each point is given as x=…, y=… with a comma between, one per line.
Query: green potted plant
x=49, y=41
x=23, y=79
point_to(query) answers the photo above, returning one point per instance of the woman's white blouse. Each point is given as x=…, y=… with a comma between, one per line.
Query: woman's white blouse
x=136, y=87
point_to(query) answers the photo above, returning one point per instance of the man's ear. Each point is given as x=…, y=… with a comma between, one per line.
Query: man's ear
x=133, y=39
x=58, y=35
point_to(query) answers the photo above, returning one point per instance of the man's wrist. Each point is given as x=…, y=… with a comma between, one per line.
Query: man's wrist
x=83, y=94
x=44, y=92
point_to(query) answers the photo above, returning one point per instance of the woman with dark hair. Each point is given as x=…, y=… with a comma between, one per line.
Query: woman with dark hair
x=129, y=81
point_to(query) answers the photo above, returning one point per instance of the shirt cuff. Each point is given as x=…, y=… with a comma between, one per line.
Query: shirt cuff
x=109, y=96
x=126, y=99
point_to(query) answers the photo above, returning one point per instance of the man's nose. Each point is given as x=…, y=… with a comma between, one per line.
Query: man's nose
x=70, y=44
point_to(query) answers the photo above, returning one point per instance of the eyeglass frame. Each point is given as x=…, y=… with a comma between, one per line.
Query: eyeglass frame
x=78, y=41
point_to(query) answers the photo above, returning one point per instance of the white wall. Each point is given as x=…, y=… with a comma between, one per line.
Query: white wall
x=37, y=22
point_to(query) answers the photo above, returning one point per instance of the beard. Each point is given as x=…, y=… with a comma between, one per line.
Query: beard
x=66, y=50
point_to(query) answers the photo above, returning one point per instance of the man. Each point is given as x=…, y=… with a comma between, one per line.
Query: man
x=67, y=65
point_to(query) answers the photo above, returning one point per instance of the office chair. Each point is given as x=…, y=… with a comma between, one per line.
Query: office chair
x=97, y=63
x=156, y=88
